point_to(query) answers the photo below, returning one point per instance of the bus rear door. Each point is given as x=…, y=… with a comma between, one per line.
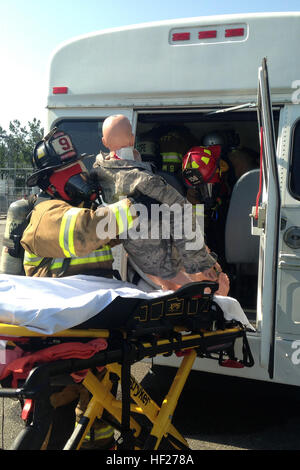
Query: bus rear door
x=268, y=213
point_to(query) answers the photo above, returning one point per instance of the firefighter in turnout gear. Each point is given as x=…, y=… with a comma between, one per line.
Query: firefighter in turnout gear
x=205, y=174
x=62, y=239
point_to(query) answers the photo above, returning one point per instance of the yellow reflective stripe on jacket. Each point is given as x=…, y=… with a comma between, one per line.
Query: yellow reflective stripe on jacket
x=31, y=259
x=66, y=233
x=171, y=157
x=102, y=433
x=97, y=256
x=122, y=214
x=198, y=210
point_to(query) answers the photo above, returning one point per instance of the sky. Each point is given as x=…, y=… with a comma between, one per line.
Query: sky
x=30, y=30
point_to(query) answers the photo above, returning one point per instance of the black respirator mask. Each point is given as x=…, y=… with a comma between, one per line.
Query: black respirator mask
x=74, y=184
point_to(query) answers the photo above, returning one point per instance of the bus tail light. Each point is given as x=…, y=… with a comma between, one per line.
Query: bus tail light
x=181, y=36
x=229, y=33
x=207, y=34
x=60, y=90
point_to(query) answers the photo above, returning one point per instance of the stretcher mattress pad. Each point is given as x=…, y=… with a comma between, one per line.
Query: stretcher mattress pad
x=50, y=305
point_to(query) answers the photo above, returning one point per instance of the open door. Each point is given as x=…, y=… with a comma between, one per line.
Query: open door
x=267, y=214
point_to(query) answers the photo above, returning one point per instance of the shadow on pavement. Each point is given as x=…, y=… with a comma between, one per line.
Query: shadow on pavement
x=232, y=411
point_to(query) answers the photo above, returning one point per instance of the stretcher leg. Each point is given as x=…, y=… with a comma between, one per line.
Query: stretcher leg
x=162, y=424
x=156, y=415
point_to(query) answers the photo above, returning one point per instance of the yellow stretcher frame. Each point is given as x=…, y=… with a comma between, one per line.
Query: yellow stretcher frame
x=102, y=398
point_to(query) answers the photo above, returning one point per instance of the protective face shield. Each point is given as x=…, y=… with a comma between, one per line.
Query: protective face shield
x=200, y=170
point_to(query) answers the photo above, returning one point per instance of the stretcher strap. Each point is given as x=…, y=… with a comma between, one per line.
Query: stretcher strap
x=126, y=440
x=248, y=359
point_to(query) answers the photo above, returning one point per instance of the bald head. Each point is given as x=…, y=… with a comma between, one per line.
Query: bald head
x=117, y=132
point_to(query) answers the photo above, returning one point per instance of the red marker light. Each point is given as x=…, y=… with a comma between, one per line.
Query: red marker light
x=232, y=363
x=181, y=37
x=229, y=33
x=27, y=409
x=207, y=34
x=60, y=90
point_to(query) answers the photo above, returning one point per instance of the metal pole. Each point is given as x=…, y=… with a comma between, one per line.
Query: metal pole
x=3, y=136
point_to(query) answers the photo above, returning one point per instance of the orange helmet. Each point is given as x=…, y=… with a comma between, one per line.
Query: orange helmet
x=201, y=165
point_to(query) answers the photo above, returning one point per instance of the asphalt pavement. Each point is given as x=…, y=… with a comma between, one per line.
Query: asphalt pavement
x=213, y=413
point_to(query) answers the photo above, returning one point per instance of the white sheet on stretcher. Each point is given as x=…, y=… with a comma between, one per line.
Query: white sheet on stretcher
x=50, y=305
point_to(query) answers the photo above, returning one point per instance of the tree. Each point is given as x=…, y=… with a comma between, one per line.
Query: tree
x=16, y=145
x=16, y=149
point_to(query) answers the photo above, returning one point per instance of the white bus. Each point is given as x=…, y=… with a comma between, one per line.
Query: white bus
x=234, y=75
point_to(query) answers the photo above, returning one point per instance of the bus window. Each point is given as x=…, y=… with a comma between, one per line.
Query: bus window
x=295, y=166
x=86, y=134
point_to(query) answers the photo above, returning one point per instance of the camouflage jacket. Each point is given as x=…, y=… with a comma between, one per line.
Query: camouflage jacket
x=167, y=253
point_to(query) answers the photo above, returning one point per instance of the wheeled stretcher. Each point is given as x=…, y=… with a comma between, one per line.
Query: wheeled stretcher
x=187, y=322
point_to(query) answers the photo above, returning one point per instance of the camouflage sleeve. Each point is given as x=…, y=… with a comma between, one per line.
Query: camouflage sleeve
x=157, y=188
x=194, y=260
x=185, y=228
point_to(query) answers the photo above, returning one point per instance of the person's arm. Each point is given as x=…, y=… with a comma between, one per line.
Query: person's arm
x=58, y=230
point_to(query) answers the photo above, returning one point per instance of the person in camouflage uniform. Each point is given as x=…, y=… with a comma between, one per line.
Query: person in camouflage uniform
x=122, y=173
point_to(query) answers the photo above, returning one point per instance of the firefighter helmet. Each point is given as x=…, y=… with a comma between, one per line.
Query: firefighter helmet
x=228, y=139
x=60, y=171
x=54, y=151
x=201, y=165
x=213, y=138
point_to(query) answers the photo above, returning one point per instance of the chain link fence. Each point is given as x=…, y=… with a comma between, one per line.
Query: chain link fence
x=13, y=186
